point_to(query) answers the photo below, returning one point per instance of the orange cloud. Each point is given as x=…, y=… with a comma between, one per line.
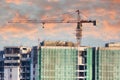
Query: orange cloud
x=106, y=32
x=49, y=29
x=52, y=0
x=116, y=1
x=108, y=26
x=14, y=1
x=111, y=29
x=14, y=31
x=48, y=7
x=29, y=30
x=101, y=11
x=20, y=17
x=112, y=14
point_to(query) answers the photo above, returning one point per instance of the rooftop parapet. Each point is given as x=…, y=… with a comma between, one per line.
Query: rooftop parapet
x=57, y=43
x=113, y=44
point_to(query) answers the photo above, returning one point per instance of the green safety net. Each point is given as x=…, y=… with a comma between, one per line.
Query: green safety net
x=89, y=64
x=57, y=63
x=108, y=64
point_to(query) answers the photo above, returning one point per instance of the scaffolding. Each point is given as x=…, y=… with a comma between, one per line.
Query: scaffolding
x=57, y=63
x=108, y=64
x=89, y=64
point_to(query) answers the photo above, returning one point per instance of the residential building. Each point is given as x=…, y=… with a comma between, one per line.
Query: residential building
x=1, y=65
x=16, y=63
x=34, y=62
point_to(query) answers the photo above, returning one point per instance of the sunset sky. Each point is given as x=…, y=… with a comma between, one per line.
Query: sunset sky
x=105, y=12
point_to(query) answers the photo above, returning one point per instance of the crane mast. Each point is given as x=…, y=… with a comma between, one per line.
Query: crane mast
x=78, y=29
x=79, y=22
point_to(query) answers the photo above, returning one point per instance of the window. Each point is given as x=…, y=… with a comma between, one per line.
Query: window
x=24, y=48
x=84, y=79
x=85, y=73
x=24, y=55
x=85, y=60
x=81, y=74
x=81, y=67
x=8, y=50
x=33, y=65
x=10, y=70
x=16, y=50
x=34, y=72
x=33, y=78
x=10, y=75
x=82, y=53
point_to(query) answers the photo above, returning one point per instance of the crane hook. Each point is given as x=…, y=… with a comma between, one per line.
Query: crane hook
x=43, y=25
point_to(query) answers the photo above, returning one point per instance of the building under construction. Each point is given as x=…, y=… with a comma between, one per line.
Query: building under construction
x=57, y=63
x=76, y=63
x=107, y=62
x=61, y=62
x=16, y=63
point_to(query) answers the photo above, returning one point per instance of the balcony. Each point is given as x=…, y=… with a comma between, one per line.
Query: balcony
x=25, y=59
x=12, y=61
x=12, y=55
x=27, y=71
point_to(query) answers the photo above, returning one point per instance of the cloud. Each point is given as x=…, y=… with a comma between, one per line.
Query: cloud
x=52, y=29
x=106, y=32
x=15, y=31
x=116, y=1
x=14, y=1
x=48, y=8
x=106, y=12
x=52, y=0
x=110, y=31
x=18, y=17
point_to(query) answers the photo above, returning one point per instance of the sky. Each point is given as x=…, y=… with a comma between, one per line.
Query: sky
x=105, y=12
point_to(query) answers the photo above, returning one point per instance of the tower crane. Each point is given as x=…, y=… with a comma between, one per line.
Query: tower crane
x=79, y=22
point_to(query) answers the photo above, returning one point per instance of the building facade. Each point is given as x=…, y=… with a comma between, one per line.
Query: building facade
x=61, y=61
x=34, y=63
x=16, y=63
x=57, y=63
x=107, y=65
x=1, y=65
